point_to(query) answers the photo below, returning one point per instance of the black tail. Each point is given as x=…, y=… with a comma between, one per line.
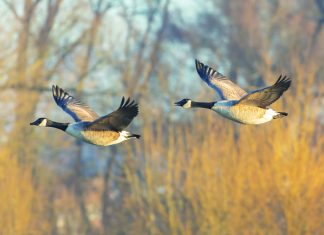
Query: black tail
x=280, y=115
x=134, y=135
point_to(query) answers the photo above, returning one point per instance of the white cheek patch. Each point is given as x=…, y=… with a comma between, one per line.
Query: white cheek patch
x=43, y=123
x=187, y=105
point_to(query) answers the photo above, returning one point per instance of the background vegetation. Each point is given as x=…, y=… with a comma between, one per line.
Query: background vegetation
x=192, y=172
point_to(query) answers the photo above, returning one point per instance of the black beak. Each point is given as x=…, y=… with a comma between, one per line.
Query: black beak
x=33, y=123
x=178, y=103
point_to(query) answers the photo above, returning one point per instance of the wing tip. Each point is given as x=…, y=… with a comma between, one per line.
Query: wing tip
x=54, y=90
x=197, y=62
x=56, y=87
x=60, y=96
x=129, y=103
x=201, y=69
x=199, y=66
x=283, y=81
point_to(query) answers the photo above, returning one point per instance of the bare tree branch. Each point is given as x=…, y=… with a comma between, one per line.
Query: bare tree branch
x=11, y=7
x=73, y=90
x=66, y=51
x=320, y=23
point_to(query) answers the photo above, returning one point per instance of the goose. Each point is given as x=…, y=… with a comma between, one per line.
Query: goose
x=88, y=126
x=236, y=104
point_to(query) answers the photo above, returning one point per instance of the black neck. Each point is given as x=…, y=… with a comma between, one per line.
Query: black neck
x=57, y=125
x=205, y=105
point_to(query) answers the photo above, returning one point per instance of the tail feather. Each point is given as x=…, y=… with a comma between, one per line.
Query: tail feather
x=280, y=115
x=128, y=135
x=134, y=135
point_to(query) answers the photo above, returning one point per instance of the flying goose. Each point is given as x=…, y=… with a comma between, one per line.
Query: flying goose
x=237, y=104
x=88, y=126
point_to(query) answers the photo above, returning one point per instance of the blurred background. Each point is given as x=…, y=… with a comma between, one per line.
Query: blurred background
x=192, y=172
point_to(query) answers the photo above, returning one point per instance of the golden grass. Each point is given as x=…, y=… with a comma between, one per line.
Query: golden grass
x=216, y=177
x=20, y=203
x=197, y=178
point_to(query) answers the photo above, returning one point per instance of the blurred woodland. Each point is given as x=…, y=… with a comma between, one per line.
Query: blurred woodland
x=192, y=172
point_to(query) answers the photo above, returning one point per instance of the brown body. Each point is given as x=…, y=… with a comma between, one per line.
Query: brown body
x=236, y=104
x=103, y=138
x=245, y=114
x=96, y=136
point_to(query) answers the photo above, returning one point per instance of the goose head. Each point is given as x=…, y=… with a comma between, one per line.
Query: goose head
x=184, y=103
x=40, y=122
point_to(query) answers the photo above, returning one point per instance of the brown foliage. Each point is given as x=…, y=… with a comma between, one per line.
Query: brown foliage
x=192, y=172
x=20, y=204
x=215, y=177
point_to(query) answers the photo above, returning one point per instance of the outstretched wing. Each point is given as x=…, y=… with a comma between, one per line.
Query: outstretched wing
x=226, y=89
x=74, y=107
x=119, y=119
x=266, y=96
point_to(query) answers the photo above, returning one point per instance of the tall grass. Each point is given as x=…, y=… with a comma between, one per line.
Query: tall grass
x=21, y=204
x=197, y=177
x=211, y=176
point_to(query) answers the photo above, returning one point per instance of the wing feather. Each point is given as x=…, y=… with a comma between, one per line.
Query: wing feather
x=119, y=119
x=264, y=97
x=226, y=89
x=78, y=110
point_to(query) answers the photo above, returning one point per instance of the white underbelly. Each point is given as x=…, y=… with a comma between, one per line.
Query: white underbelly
x=258, y=121
x=101, y=138
x=248, y=119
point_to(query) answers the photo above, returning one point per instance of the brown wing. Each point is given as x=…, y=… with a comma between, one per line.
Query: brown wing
x=119, y=119
x=266, y=96
x=78, y=110
x=226, y=89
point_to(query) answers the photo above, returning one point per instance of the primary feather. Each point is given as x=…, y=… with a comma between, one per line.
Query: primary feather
x=78, y=110
x=226, y=89
x=264, y=97
x=236, y=104
x=120, y=118
x=88, y=126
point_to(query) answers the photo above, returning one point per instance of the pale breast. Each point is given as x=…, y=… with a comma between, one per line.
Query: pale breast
x=246, y=112
x=100, y=137
x=242, y=113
